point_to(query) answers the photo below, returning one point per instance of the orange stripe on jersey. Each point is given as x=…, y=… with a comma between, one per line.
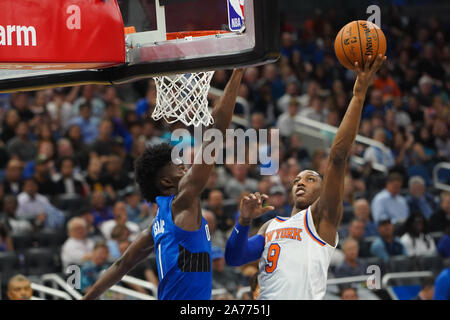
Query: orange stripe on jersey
x=309, y=232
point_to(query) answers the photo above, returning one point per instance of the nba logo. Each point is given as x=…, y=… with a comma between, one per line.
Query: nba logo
x=236, y=15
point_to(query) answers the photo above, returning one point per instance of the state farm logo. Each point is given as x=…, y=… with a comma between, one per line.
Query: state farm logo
x=25, y=36
x=18, y=35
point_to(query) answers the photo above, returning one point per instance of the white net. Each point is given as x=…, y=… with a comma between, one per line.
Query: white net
x=183, y=97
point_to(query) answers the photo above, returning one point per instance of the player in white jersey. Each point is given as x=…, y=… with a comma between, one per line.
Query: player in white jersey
x=295, y=252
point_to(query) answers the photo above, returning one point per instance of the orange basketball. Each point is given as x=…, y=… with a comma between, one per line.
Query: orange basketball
x=358, y=40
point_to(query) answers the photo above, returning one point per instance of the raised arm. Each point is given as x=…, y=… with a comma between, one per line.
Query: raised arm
x=327, y=210
x=192, y=184
x=241, y=249
x=136, y=252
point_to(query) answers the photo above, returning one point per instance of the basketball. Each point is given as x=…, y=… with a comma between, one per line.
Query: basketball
x=358, y=40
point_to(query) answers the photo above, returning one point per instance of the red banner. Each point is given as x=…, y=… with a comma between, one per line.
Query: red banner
x=63, y=34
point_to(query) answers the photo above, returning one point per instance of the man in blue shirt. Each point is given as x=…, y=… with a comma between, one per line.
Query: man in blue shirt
x=418, y=199
x=442, y=286
x=386, y=245
x=91, y=270
x=87, y=123
x=389, y=202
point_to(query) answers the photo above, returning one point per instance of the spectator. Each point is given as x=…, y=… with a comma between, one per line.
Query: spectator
x=416, y=240
x=427, y=290
x=361, y=210
x=389, y=202
x=93, y=231
x=386, y=84
x=59, y=109
x=21, y=147
x=118, y=234
x=375, y=154
x=93, y=175
x=146, y=105
x=32, y=205
x=224, y=276
x=88, y=96
x=442, y=285
x=19, y=288
x=386, y=244
x=315, y=110
x=5, y=239
x=12, y=184
x=77, y=248
x=291, y=95
x=218, y=237
x=240, y=182
x=101, y=211
x=356, y=232
x=87, y=123
x=418, y=199
x=375, y=105
x=103, y=145
x=224, y=221
x=441, y=217
x=115, y=178
x=352, y=265
x=286, y=121
x=137, y=210
x=120, y=218
x=42, y=169
x=10, y=122
x=21, y=104
x=91, y=269
x=68, y=184
x=277, y=199
x=349, y=293
x=12, y=224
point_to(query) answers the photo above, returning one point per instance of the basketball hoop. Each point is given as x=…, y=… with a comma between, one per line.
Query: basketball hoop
x=183, y=97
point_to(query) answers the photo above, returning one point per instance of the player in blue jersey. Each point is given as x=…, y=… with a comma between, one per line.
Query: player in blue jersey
x=179, y=234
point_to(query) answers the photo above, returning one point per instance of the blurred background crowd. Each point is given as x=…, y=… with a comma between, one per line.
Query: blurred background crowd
x=67, y=191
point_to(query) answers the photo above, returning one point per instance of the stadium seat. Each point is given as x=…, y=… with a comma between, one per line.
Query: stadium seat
x=22, y=241
x=347, y=215
x=419, y=171
x=71, y=204
x=40, y=261
x=50, y=238
x=431, y=263
x=403, y=264
x=9, y=266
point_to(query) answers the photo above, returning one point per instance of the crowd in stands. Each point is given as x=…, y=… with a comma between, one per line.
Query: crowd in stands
x=67, y=156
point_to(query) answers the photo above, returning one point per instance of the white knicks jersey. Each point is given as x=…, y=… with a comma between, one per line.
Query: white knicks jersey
x=294, y=264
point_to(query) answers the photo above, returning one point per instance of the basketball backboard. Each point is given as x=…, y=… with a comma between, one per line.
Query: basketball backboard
x=173, y=36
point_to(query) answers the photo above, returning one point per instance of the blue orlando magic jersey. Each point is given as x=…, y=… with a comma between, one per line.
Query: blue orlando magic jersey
x=183, y=257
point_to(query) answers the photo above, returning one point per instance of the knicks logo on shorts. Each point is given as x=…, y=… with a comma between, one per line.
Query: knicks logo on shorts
x=284, y=233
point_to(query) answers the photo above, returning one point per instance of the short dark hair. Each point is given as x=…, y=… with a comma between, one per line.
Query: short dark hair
x=148, y=166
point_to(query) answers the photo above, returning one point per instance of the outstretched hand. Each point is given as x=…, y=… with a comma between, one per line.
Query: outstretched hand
x=251, y=207
x=365, y=74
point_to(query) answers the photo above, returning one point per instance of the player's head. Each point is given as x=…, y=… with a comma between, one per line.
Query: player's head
x=156, y=173
x=306, y=188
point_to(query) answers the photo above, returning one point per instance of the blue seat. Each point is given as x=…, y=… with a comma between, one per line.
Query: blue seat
x=420, y=171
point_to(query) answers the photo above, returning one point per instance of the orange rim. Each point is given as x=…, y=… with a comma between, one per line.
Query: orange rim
x=185, y=34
